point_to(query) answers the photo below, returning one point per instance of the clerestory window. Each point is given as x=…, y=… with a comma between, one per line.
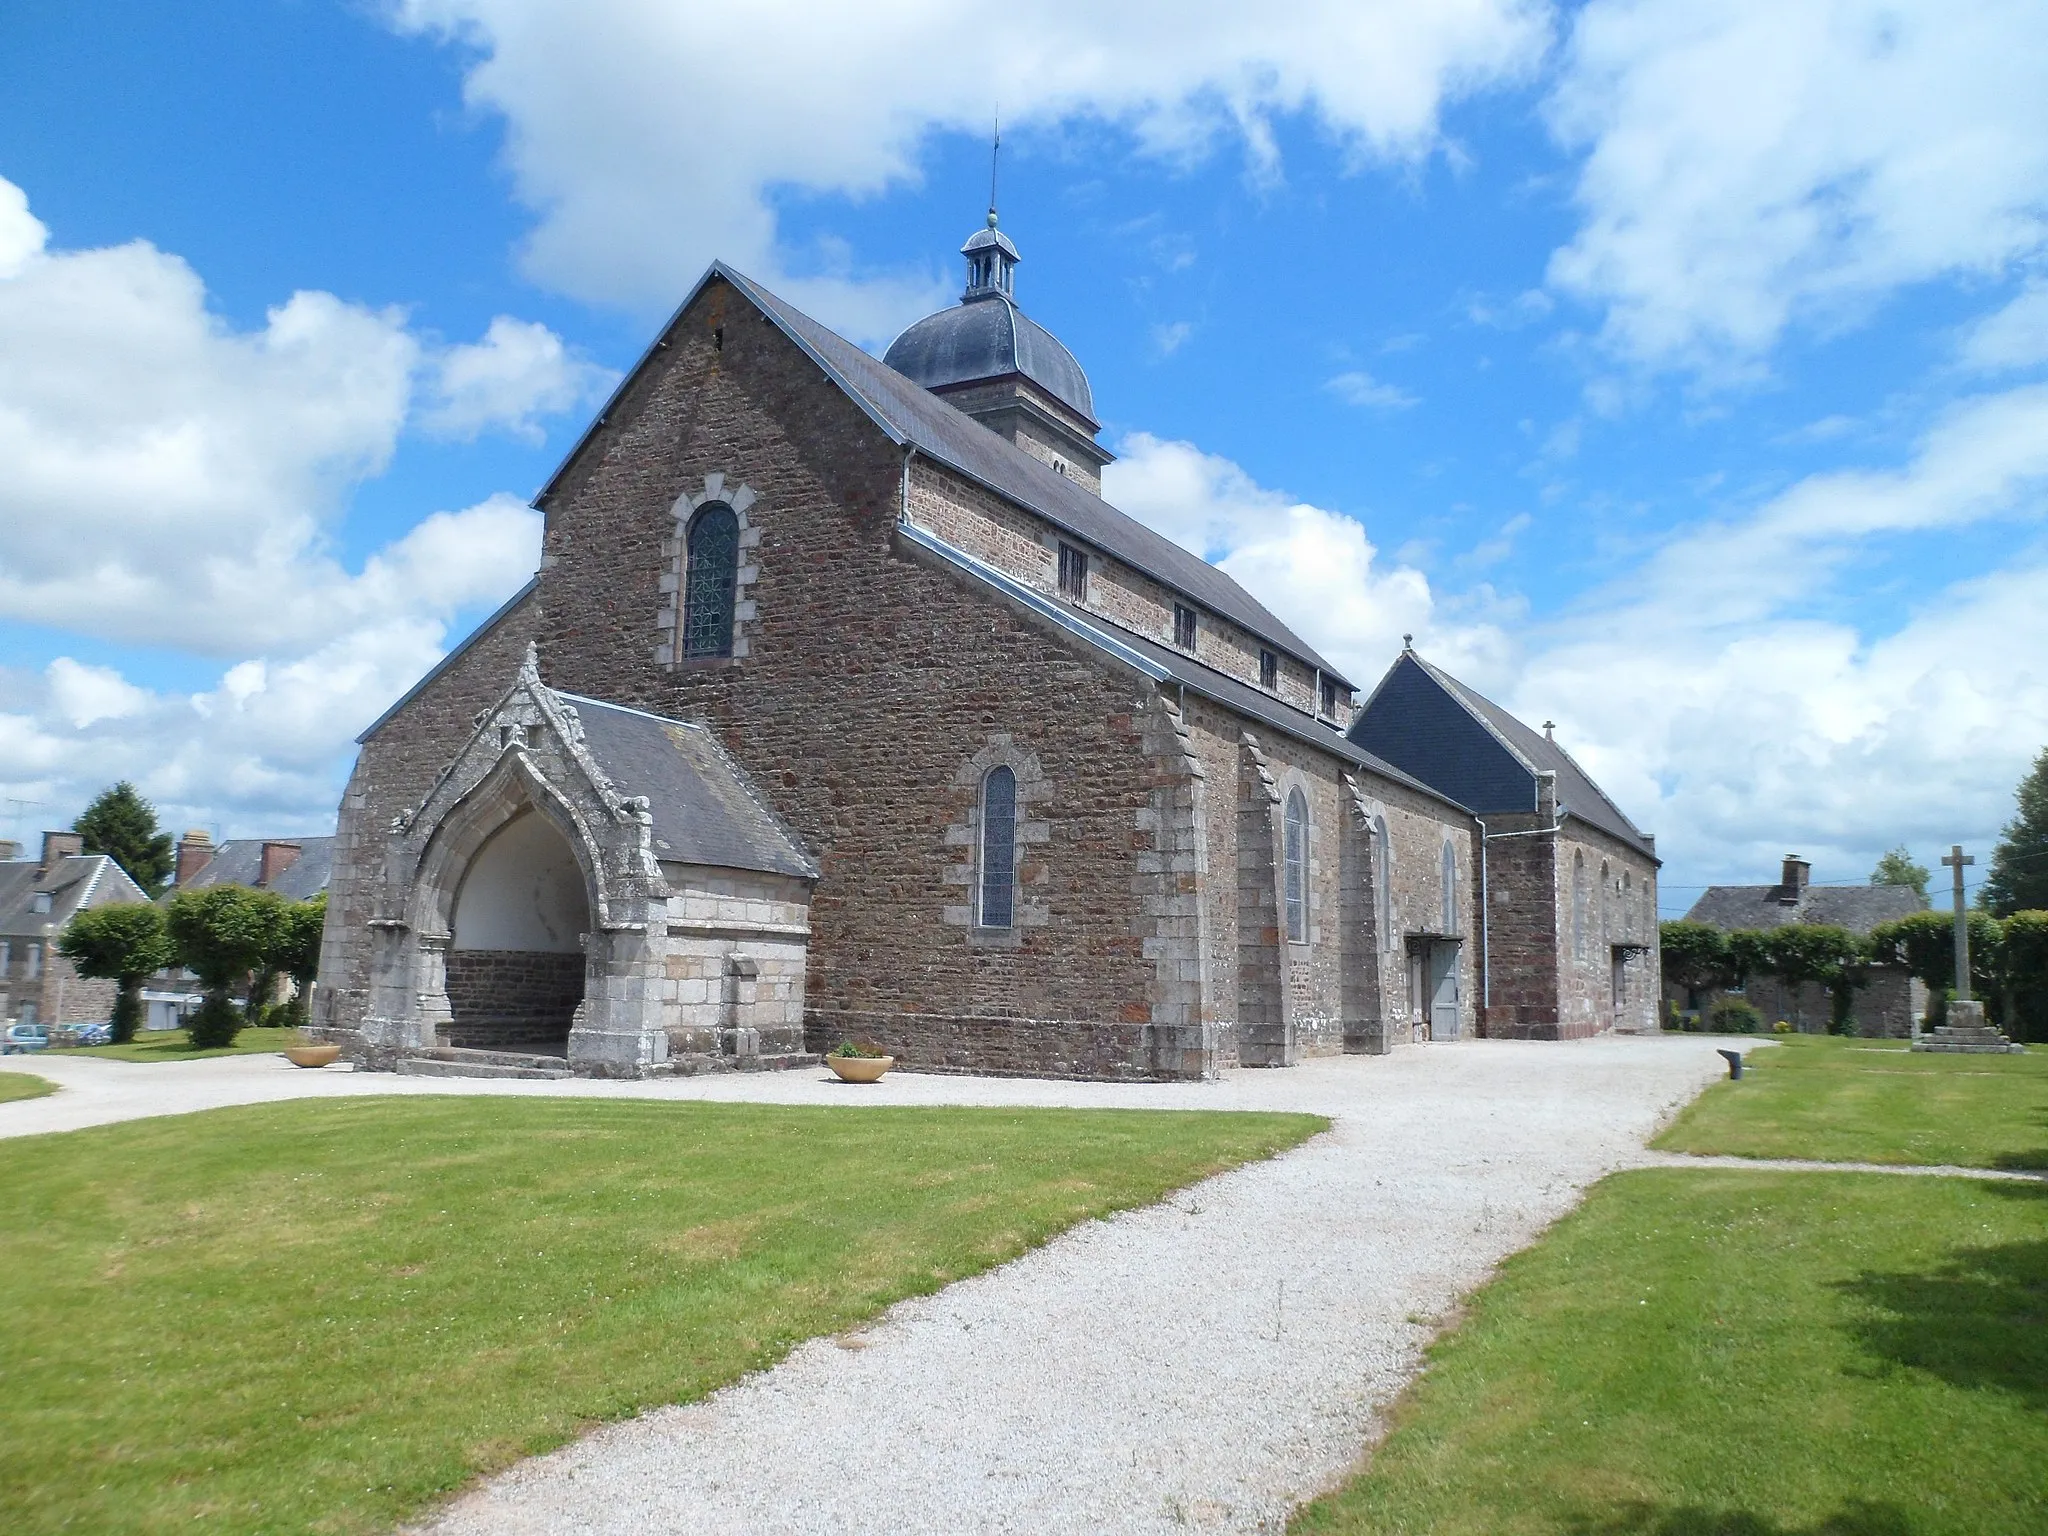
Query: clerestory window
x=1269, y=671
x=1297, y=868
x=708, y=590
x=1073, y=574
x=1184, y=626
x=998, y=885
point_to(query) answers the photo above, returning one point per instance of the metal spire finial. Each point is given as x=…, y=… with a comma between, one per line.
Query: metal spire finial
x=995, y=151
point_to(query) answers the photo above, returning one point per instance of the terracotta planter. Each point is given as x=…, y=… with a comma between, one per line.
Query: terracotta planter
x=312, y=1055
x=860, y=1069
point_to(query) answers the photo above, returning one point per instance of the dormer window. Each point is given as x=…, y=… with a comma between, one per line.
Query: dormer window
x=40, y=902
x=1184, y=626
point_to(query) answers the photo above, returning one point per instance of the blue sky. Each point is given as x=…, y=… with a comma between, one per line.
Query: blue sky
x=1672, y=370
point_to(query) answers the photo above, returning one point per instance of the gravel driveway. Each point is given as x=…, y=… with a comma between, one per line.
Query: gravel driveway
x=1203, y=1364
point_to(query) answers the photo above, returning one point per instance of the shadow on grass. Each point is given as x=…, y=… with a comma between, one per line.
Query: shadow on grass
x=1853, y=1519
x=2035, y=1161
x=1977, y=1318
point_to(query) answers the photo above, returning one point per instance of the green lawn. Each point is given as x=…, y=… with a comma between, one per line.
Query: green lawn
x=1844, y=1100
x=176, y=1045
x=23, y=1085
x=1727, y=1353
x=322, y=1316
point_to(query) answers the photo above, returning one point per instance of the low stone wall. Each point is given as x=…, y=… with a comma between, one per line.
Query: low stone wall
x=995, y=1047
x=512, y=1000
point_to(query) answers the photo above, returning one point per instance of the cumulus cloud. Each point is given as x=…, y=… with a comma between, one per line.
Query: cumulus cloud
x=520, y=372
x=649, y=137
x=1752, y=164
x=175, y=482
x=1704, y=688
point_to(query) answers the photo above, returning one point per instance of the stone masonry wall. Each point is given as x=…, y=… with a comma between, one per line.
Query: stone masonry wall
x=871, y=676
x=512, y=1000
x=394, y=770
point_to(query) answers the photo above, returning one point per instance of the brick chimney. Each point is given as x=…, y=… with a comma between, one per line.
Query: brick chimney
x=195, y=852
x=9, y=849
x=61, y=845
x=277, y=858
x=1793, y=879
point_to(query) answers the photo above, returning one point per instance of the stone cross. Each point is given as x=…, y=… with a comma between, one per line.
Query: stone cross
x=1956, y=859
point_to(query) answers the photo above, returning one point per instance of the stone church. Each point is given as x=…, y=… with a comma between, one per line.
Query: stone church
x=842, y=706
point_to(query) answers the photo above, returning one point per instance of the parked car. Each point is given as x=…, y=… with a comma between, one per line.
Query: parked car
x=23, y=1038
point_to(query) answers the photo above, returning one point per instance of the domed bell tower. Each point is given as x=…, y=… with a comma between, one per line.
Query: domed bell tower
x=993, y=361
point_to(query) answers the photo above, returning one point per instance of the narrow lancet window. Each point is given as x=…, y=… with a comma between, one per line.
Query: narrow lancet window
x=998, y=848
x=1450, y=881
x=708, y=589
x=1297, y=868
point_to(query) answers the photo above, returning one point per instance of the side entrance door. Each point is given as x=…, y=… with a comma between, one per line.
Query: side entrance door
x=1446, y=1011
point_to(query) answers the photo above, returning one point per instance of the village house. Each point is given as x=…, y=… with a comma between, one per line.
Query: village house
x=1888, y=998
x=38, y=896
x=842, y=706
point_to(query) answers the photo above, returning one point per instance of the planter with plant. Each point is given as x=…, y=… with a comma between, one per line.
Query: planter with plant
x=859, y=1061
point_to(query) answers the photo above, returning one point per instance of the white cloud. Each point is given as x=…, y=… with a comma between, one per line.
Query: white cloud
x=1361, y=389
x=1753, y=164
x=2013, y=337
x=22, y=234
x=1169, y=339
x=519, y=372
x=83, y=694
x=650, y=136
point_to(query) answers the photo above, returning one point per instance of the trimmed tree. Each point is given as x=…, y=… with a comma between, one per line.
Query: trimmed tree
x=1695, y=957
x=297, y=953
x=221, y=934
x=2018, y=881
x=2026, y=975
x=1798, y=953
x=1898, y=868
x=122, y=825
x=124, y=944
x=1924, y=943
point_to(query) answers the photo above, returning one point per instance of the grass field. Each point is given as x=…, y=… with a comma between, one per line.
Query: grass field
x=1727, y=1353
x=176, y=1045
x=1845, y=1100
x=23, y=1085
x=321, y=1316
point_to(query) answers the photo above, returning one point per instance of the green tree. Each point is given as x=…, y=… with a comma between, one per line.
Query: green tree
x=121, y=824
x=1798, y=953
x=1694, y=956
x=124, y=944
x=221, y=934
x=297, y=952
x=2026, y=975
x=2018, y=881
x=1898, y=868
x=1925, y=944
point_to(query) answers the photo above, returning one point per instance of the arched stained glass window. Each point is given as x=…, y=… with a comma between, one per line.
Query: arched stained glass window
x=708, y=586
x=998, y=849
x=1382, y=883
x=1297, y=868
x=1450, y=884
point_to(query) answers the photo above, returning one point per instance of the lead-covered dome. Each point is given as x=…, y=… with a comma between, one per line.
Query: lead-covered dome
x=986, y=336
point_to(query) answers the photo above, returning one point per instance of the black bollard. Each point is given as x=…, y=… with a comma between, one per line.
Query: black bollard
x=1734, y=1060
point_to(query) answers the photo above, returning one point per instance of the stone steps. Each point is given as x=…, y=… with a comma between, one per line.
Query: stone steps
x=454, y=1061
x=1977, y=1040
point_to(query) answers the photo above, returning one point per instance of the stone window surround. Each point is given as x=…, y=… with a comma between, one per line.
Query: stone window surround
x=1033, y=789
x=1287, y=782
x=675, y=552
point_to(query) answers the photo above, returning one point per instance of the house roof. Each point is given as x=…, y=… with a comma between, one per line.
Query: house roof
x=705, y=809
x=75, y=883
x=912, y=417
x=1858, y=908
x=239, y=861
x=1427, y=722
x=1165, y=664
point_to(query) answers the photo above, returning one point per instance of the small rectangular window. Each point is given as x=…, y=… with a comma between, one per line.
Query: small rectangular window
x=35, y=961
x=1073, y=574
x=40, y=902
x=1269, y=671
x=1183, y=627
x=1330, y=698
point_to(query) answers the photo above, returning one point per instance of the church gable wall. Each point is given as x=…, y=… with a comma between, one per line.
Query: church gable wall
x=1024, y=546
x=393, y=772
x=870, y=678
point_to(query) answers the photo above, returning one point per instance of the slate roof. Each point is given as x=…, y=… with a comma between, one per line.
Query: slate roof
x=705, y=810
x=1426, y=722
x=1165, y=664
x=912, y=416
x=239, y=860
x=989, y=337
x=1858, y=908
x=84, y=880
